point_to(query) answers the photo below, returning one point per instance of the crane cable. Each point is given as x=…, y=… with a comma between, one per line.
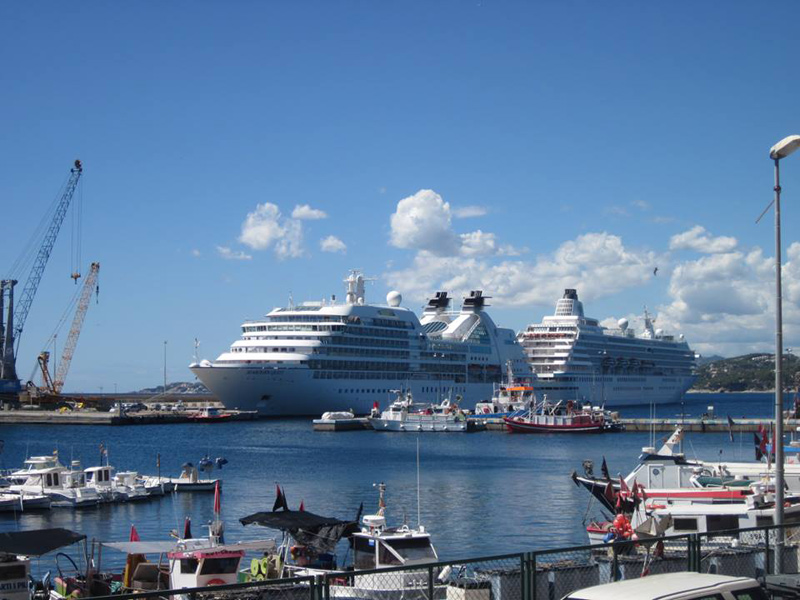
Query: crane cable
x=27, y=255
x=51, y=339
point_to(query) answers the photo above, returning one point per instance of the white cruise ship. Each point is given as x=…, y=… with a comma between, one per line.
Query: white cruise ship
x=327, y=356
x=575, y=358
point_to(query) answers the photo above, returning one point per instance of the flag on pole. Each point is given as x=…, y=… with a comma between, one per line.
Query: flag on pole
x=730, y=427
x=217, y=504
x=134, y=537
x=302, y=506
x=758, y=444
x=280, y=500
x=604, y=469
x=187, y=528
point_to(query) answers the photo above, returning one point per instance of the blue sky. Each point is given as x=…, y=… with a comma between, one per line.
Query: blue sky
x=590, y=143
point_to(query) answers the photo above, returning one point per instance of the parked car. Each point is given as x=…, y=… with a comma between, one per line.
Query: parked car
x=675, y=586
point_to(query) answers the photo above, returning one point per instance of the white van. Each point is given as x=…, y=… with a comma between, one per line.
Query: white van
x=675, y=586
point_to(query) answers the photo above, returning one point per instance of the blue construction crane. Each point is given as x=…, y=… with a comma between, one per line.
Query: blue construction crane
x=12, y=319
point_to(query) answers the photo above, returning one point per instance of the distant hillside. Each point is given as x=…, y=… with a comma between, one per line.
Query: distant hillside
x=178, y=387
x=754, y=372
x=704, y=360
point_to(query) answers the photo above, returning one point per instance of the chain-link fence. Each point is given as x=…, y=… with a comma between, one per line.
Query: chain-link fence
x=540, y=575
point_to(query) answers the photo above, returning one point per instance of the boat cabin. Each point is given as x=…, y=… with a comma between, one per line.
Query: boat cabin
x=196, y=566
x=376, y=547
x=99, y=477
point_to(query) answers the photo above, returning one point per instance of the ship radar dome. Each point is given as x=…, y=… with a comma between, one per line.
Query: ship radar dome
x=394, y=298
x=622, y=324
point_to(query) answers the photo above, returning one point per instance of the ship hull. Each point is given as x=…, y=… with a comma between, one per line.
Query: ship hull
x=294, y=392
x=615, y=391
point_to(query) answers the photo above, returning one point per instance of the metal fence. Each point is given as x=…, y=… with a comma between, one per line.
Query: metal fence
x=539, y=575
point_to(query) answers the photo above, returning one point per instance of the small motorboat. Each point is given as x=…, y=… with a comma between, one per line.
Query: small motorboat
x=405, y=415
x=559, y=417
x=210, y=414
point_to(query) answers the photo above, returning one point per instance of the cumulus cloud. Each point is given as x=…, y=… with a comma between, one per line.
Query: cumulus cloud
x=698, y=239
x=468, y=212
x=266, y=228
x=305, y=212
x=228, y=254
x=597, y=263
x=423, y=222
x=724, y=301
x=332, y=244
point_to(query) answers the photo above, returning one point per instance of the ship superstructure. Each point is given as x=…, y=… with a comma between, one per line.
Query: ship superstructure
x=575, y=358
x=322, y=356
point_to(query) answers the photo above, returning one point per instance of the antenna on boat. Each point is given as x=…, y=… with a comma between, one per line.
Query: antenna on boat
x=418, y=505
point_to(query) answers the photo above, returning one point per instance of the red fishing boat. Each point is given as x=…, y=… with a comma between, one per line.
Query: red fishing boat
x=559, y=417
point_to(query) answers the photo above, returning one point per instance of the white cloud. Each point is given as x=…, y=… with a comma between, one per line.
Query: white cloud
x=598, y=264
x=423, y=222
x=468, y=212
x=196, y=252
x=290, y=245
x=698, y=239
x=332, y=244
x=641, y=204
x=266, y=228
x=261, y=228
x=724, y=302
x=305, y=212
x=228, y=254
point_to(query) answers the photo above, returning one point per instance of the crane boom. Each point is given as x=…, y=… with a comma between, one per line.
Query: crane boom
x=35, y=276
x=77, y=324
x=15, y=316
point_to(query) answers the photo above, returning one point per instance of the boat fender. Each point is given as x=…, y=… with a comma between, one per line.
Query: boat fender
x=609, y=537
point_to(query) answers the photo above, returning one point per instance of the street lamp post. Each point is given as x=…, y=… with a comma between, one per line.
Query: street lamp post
x=165, y=366
x=780, y=150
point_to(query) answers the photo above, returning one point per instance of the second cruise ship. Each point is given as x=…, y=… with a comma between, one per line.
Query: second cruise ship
x=575, y=358
x=327, y=356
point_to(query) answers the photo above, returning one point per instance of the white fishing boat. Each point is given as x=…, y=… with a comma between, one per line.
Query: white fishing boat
x=507, y=398
x=655, y=519
x=405, y=415
x=667, y=473
x=190, y=562
x=129, y=488
x=309, y=541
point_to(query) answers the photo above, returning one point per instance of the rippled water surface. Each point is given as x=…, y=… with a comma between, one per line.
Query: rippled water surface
x=481, y=493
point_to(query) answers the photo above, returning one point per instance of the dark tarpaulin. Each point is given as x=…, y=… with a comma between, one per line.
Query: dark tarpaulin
x=308, y=529
x=37, y=542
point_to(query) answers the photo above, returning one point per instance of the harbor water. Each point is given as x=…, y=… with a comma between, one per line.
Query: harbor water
x=481, y=493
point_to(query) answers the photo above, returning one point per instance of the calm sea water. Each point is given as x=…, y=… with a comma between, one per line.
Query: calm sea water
x=481, y=493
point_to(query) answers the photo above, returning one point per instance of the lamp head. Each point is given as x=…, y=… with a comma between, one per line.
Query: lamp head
x=785, y=147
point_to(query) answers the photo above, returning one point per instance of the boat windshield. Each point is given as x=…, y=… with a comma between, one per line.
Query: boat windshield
x=213, y=566
x=410, y=549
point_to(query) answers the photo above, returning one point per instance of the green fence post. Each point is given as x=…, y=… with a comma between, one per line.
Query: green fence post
x=533, y=576
x=430, y=583
x=312, y=589
x=614, y=563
